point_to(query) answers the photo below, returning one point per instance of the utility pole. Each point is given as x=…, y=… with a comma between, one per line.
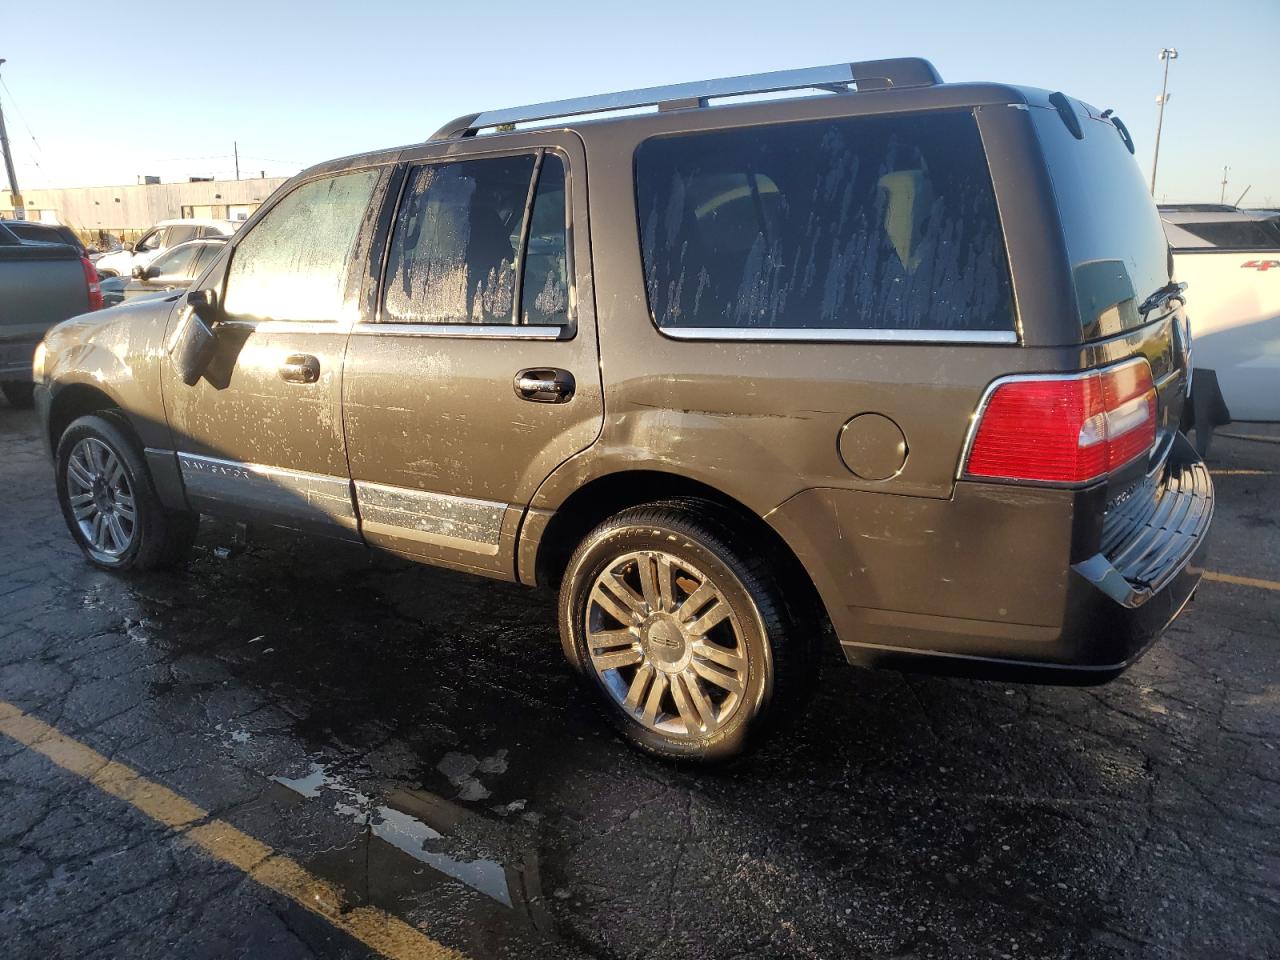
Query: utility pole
x=1223, y=197
x=1167, y=54
x=235, y=147
x=19, y=208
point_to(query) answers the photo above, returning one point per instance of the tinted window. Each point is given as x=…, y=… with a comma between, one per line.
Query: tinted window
x=862, y=223
x=545, y=289
x=1238, y=234
x=46, y=234
x=453, y=254
x=1106, y=209
x=207, y=253
x=176, y=263
x=294, y=264
x=179, y=235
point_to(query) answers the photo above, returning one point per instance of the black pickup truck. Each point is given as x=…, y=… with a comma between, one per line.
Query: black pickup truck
x=40, y=284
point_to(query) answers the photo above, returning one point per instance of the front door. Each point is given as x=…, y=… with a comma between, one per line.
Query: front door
x=477, y=372
x=261, y=433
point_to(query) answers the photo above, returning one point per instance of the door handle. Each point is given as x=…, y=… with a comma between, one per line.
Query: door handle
x=544, y=385
x=300, y=368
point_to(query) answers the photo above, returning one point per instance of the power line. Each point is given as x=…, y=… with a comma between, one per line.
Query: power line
x=23, y=117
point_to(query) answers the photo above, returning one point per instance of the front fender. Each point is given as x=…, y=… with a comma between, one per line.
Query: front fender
x=118, y=352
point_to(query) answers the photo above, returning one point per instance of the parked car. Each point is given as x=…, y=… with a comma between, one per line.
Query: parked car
x=1230, y=260
x=172, y=270
x=163, y=236
x=40, y=285
x=907, y=361
x=38, y=232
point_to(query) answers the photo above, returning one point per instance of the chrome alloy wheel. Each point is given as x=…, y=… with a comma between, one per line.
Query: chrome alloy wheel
x=101, y=499
x=665, y=644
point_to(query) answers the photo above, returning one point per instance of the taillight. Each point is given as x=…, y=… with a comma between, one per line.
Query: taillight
x=1068, y=429
x=91, y=281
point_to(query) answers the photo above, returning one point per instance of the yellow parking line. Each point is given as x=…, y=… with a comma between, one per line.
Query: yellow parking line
x=389, y=936
x=1242, y=473
x=1241, y=581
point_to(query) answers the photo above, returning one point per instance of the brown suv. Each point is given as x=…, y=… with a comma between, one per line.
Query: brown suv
x=903, y=357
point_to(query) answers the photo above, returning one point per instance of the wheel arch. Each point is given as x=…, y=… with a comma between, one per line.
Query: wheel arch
x=604, y=496
x=72, y=401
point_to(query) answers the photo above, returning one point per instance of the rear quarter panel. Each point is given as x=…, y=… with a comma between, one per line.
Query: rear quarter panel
x=760, y=421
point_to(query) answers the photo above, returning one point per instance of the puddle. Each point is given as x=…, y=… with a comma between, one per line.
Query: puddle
x=413, y=821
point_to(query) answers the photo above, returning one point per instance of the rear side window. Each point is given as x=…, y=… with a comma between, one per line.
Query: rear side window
x=295, y=263
x=876, y=223
x=456, y=251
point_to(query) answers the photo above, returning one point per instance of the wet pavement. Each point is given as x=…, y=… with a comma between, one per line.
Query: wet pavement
x=412, y=740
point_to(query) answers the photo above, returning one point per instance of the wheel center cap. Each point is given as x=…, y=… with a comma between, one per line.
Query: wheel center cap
x=665, y=644
x=102, y=498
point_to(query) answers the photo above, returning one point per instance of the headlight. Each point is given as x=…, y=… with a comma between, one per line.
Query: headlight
x=37, y=363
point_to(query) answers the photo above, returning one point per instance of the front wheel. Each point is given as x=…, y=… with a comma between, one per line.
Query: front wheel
x=678, y=626
x=109, y=502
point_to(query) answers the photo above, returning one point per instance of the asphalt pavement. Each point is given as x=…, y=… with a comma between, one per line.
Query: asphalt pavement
x=307, y=751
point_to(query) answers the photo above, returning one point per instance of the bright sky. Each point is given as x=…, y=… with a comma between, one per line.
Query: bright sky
x=113, y=91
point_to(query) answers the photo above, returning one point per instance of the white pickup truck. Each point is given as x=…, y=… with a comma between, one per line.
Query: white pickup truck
x=1230, y=260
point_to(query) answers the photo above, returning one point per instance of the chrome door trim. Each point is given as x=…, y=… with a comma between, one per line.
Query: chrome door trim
x=340, y=327
x=293, y=493
x=427, y=517
x=833, y=334
x=483, y=331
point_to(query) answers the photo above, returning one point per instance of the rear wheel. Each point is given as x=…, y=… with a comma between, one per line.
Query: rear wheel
x=679, y=628
x=109, y=502
x=19, y=395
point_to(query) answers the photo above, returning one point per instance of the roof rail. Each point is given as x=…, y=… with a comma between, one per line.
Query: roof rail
x=836, y=78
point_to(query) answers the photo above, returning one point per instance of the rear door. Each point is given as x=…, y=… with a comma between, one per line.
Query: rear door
x=475, y=373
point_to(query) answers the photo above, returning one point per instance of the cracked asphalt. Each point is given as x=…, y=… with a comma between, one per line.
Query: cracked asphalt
x=411, y=738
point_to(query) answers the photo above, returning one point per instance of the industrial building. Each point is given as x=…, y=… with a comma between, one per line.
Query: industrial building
x=126, y=211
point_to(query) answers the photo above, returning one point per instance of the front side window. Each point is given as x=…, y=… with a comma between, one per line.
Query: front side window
x=175, y=264
x=152, y=241
x=294, y=265
x=881, y=223
x=456, y=251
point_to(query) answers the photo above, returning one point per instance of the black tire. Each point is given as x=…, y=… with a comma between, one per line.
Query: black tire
x=21, y=396
x=778, y=647
x=159, y=537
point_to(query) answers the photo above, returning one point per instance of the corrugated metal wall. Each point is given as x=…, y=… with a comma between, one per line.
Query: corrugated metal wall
x=136, y=207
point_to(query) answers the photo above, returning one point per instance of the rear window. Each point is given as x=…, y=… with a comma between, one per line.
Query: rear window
x=868, y=223
x=1108, y=218
x=1238, y=234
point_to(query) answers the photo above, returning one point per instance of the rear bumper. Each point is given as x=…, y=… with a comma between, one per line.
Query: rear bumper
x=987, y=585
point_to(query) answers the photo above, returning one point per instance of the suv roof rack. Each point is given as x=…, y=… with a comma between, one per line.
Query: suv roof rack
x=835, y=78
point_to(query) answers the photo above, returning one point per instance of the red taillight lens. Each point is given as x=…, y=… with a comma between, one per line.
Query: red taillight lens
x=1069, y=429
x=91, y=281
